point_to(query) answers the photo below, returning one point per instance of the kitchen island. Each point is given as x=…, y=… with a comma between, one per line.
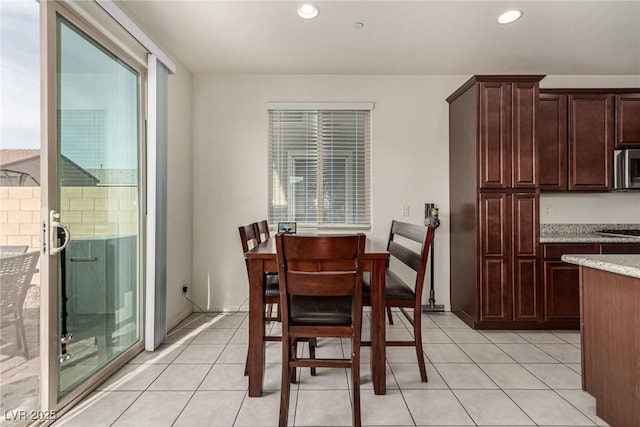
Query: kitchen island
x=610, y=333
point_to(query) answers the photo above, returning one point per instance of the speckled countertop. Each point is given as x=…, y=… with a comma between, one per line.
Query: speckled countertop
x=584, y=233
x=627, y=265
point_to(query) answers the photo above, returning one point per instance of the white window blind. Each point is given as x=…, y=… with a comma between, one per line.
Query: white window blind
x=319, y=174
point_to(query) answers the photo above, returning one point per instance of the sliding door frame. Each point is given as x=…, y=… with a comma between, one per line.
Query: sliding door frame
x=49, y=311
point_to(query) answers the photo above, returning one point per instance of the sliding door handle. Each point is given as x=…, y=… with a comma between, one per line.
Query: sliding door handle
x=54, y=224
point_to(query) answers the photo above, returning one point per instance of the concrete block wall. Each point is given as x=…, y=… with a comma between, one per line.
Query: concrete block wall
x=20, y=216
x=87, y=211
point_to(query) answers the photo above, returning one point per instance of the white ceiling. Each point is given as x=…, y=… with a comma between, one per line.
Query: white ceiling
x=399, y=37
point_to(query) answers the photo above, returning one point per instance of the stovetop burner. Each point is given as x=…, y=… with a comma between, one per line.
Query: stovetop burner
x=620, y=233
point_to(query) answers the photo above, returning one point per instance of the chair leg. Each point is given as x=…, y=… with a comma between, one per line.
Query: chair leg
x=313, y=343
x=417, y=335
x=389, y=315
x=269, y=312
x=285, y=383
x=355, y=382
x=23, y=338
x=18, y=337
x=293, y=356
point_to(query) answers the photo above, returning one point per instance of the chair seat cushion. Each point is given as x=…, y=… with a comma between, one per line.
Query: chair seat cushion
x=320, y=310
x=271, y=285
x=394, y=287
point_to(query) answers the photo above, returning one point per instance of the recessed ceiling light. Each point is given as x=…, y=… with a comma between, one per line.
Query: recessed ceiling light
x=509, y=16
x=308, y=10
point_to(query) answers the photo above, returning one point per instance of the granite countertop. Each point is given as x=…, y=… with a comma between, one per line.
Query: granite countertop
x=584, y=233
x=627, y=265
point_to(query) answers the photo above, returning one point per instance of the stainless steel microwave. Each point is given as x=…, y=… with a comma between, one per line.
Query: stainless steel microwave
x=626, y=169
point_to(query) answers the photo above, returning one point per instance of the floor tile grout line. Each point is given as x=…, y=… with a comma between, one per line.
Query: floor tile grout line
x=492, y=380
x=387, y=364
x=574, y=406
x=206, y=374
x=449, y=387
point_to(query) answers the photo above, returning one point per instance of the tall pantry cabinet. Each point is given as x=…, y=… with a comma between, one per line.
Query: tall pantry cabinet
x=494, y=196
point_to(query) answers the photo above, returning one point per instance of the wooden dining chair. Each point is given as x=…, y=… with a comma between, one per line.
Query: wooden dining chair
x=263, y=230
x=320, y=296
x=263, y=236
x=250, y=238
x=398, y=294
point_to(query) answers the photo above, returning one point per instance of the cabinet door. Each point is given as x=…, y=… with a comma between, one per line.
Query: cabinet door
x=590, y=142
x=495, y=135
x=551, y=137
x=527, y=292
x=495, y=280
x=628, y=121
x=562, y=291
x=523, y=143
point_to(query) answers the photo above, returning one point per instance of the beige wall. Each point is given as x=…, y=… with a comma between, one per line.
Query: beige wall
x=409, y=163
x=409, y=156
x=179, y=195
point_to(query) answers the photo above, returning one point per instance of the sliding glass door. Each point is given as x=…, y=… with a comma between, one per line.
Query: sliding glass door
x=94, y=207
x=98, y=186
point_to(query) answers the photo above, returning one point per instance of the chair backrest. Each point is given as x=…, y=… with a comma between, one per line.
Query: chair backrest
x=263, y=230
x=11, y=250
x=327, y=266
x=249, y=236
x=16, y=273
x=420, y=234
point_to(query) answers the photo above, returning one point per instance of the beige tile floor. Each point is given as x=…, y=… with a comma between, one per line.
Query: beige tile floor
x=483, y=378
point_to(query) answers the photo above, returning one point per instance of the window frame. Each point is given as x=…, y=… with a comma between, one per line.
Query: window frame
x=344, y=155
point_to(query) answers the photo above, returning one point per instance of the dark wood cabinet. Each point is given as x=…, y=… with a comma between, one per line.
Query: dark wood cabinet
x=575, y=141
x=523, y=144
x=551, y=135
x=506, y=134
x=628, y=120
x=562, y=280
x=590, y=139
x=495, y=295
x=527, y=292
x=562, y=290
x=577, y=131
x=494, y=201
x=495, y=134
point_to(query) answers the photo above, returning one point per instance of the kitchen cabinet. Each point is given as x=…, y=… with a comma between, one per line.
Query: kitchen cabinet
x=562, y=280
x=494, y=200
x=575, y=137
x=590, y=142
x=628, y=120
x=506, y=134
x=576, y=132
x=527, y=291
x=551, y=135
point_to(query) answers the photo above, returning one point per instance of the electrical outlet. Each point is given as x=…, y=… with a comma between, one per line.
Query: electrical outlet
x=405, y=211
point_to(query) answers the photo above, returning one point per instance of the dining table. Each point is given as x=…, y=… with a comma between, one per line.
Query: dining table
x=262, y=260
